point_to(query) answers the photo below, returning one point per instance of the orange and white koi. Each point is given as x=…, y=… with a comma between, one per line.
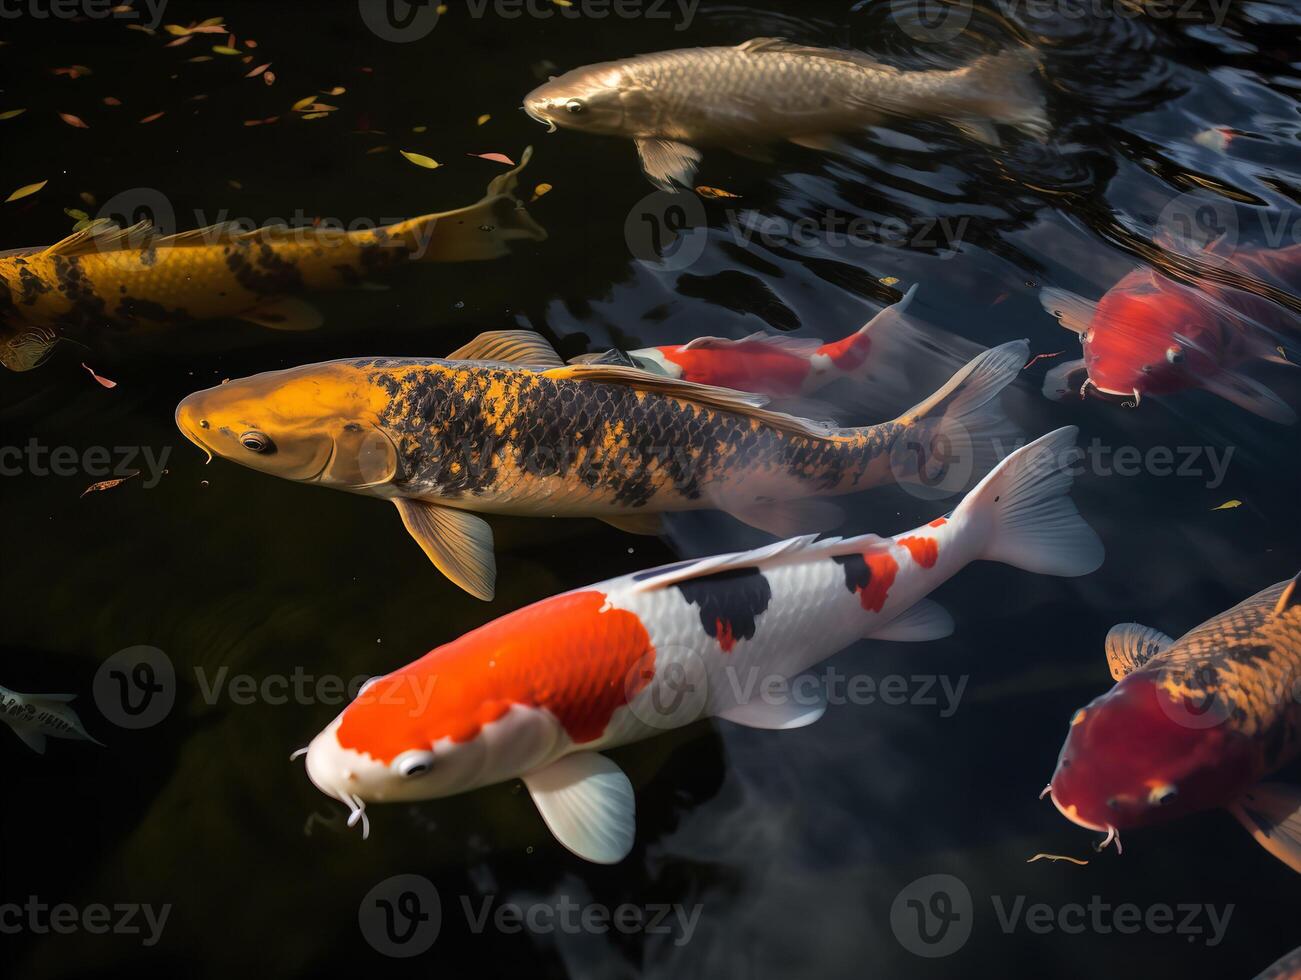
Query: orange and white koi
x=772, y=364
x=1194, y=724
x=540, y=693
x=105, y=276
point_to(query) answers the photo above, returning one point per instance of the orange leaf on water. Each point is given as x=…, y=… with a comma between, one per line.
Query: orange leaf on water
x=75, y=121
x=156, y=115
x=494, y=157
x=258, y=70
x=109, y=484
x=104, y=381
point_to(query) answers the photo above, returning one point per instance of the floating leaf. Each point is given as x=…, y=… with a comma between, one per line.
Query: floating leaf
x=258, y=70
x=418, y=129
x=1228, y=505
x=26, y=190
x=11, y=113
x=109, y=484
x=540, y=190
x=714, y=192
x=303, y=103
x=314, y=115
x=420, y=160
x=484, y=118
x=223, y=49
x=199, y=59
x=156, y=115
x=1056, y=857
x=76, y=214
x=377, y=149
x=75, y=121
x=235, y=185
x=889, y=280
x=88, y=199
x=494, y=157
x=73, y=71
x=337, y=90
x=110, y=100
x=104, y=381
x=269, y=78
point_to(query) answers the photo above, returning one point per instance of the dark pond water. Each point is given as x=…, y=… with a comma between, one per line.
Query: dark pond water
x=789, y=847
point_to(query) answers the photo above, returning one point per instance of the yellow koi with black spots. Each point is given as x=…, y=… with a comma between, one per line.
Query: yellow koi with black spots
x=504, y=426
x=105, y=275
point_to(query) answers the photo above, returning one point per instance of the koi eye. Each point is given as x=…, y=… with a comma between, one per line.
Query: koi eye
x=256, y=442
x=412, y=764
x=575, y=106
x=1162, y=795
x=1174, y=355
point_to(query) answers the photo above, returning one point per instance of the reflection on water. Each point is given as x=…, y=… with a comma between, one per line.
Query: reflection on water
x=793, y=845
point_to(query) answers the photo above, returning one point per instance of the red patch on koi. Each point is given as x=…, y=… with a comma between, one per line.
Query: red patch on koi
x=938, y=522
x=925, y=551
x=850, y=353
x=563, y=654
x=723, y=631
x=750, y=365
x=883, y=569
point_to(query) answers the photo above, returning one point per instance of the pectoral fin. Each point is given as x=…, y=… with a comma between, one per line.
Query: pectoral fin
x=1074, y=312
x=522, y=347
x=1130, y=646
x=587, y=802
x=285, y=314
x=669, y=165
x=457, y=542
x=1250, y=394
x=1271, y=812
x=1057, y=382
x=979, y=130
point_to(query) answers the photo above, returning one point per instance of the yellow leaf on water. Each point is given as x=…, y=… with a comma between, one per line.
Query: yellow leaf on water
x=889, y=280
x=1228, y=505
x=482, y=119
x=420, y=160
x=314, y=115
x=76, y=214
x=714, y=192
x=222, y=49
x=563, y=3
x=540, y=190
x=25, y=190
x=304, y=103
x=337, y=90
x=11, y=113
x=419, y=129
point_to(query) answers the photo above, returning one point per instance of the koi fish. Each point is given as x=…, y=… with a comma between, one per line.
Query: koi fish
x=767, y=364
x=768, y=90
x=504, y=426
x=1150, y=335
x=540, y=693
x=123, y=277
x=1193, y=724
x=36, y=717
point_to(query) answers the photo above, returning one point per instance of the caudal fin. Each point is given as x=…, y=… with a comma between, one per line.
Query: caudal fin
x=1026, y=514
x=1003, y=88
x=479, y=232
x=960, y=431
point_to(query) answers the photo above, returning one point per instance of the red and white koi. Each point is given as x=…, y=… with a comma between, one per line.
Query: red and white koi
x=773, y=364
x=539, y=694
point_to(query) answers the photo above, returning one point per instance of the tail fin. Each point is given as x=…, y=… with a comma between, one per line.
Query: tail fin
x=1025, y=509
x=1003, y=88
x=482, y=231
x=960, y=430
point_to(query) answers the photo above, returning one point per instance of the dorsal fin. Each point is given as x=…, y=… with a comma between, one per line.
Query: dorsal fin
x=221, y=233
x=780, y=45
x=523, y=347
x=103, y=235
x=1131, y=645
x=805, y=548
x=799, y=346
x=724, y=399
x=1290, y=598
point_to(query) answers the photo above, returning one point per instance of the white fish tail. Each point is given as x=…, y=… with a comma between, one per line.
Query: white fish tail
x=1025, y=515
x=1004, y=87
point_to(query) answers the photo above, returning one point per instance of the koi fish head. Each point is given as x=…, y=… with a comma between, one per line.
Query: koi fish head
x=423, y=734
x=1148, y=337
x=1139, y=756
x=317, y=423
x=591, y=99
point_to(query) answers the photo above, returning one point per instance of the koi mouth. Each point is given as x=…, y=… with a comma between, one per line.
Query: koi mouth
x=1072, y=814
x=355, y=804
x=538, y=117
x=1133, y=393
